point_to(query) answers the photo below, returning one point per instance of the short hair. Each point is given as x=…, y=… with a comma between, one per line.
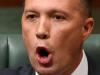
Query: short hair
x=87, y=4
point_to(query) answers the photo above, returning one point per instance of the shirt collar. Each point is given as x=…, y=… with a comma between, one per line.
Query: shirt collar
x=36, y=73
x=82, y=67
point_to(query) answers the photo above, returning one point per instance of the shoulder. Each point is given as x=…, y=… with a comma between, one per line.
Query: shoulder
x=21, y=70
x=93, y=66
x=8, y=72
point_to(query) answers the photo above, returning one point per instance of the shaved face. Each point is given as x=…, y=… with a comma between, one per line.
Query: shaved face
x=54, y=32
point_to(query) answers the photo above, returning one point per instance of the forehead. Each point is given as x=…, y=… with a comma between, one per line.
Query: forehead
x=49, y=4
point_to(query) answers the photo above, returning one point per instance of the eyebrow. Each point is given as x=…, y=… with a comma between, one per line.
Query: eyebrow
x=59, y=11
x=49, y=11
x=31, y=11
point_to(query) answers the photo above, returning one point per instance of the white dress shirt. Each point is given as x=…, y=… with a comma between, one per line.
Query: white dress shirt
x=82, y=68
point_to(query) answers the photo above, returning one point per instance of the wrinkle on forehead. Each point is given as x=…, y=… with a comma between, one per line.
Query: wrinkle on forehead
x=74, y=5
x=52, y=3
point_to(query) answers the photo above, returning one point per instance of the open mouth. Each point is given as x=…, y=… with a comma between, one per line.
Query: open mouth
x=43, y=55
x=42, y=52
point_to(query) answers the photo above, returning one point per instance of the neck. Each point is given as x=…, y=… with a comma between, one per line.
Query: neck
x=73, y=66
x=76, y=61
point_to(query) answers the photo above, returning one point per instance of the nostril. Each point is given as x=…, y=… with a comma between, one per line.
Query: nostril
x=42, y=36
x=45, y=36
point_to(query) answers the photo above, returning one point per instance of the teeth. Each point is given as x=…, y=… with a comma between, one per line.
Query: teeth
x=42, y=52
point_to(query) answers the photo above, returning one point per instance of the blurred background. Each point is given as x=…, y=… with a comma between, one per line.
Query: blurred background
x=11, y=11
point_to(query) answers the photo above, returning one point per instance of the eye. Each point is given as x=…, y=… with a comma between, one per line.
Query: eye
x=59, y=17
x=32, y=17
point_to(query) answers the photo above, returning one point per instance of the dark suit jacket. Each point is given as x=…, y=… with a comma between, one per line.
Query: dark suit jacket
x=94, y=69
x=22, y=70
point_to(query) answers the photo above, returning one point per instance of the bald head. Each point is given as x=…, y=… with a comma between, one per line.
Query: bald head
x=85, y=6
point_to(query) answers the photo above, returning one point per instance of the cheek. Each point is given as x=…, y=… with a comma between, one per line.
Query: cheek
x=64, y=41
x=59, y=36
x=60, y=40
x=28, y=33
x=67, y=36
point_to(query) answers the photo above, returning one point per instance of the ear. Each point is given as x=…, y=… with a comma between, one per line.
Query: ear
x=88, y=27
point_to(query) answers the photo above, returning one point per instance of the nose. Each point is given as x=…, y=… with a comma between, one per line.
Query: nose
x=43, y=30
x=42, y=36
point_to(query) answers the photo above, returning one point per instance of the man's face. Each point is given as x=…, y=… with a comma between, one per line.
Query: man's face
x=53, y=31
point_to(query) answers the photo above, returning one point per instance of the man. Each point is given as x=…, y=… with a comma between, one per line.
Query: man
x=54, y=32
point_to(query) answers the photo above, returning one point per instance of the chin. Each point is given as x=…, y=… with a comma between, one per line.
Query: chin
x=46, y=70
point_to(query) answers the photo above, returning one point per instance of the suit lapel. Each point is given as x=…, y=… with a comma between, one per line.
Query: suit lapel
x=91, y=65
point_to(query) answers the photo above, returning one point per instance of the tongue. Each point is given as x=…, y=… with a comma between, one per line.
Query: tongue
x=43, y=56
x=44, y=60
